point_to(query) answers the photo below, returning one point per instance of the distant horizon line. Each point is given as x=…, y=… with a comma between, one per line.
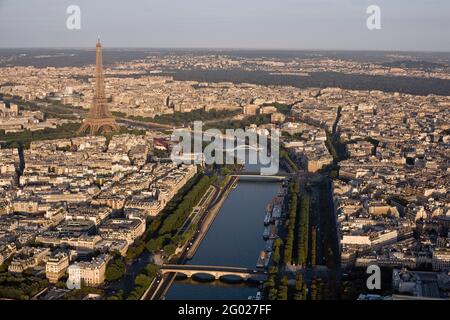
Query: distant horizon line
x=219, y=49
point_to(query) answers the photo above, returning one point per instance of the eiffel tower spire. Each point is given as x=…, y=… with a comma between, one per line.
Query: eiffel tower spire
x=99, y=119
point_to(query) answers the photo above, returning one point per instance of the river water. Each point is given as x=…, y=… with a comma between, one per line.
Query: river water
x=234, y=239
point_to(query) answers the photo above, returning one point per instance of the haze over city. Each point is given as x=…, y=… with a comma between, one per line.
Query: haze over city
x=413, y=25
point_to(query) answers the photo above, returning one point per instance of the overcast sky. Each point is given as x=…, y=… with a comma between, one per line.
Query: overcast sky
x=417, y=25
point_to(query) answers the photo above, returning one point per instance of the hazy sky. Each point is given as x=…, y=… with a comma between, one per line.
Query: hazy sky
x=422, y=25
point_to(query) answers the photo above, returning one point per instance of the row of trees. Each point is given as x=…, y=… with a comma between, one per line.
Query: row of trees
x=165, y=230
x=183, y=118
x=177, y=218
x=142, y=281
x=135, y=250
x=292, y=167
x=318, y=289
x=239, y=124
x=283, y=289
x=303, y=230
x=313, y=246
x=116, y=269
x=276, y=252
x=297, y=227
x=290, y=222
x=300, y=288
x=270, y=286
x=322, y=290
x=179, y=118
x=24, y=138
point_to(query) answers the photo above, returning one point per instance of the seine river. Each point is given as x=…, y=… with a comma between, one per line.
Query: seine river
x=234, y=239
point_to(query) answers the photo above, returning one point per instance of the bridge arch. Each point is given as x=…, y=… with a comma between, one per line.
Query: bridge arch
x=217, y=273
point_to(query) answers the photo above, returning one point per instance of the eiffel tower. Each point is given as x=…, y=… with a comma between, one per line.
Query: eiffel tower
x=99, y=119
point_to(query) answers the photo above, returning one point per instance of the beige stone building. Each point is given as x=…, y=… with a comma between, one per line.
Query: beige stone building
x=27, y=258
x=89, y=273
x=56, y=267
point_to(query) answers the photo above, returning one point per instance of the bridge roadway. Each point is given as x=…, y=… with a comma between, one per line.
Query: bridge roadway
x=216, y=271
x=144, y=124
x=258, y=176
